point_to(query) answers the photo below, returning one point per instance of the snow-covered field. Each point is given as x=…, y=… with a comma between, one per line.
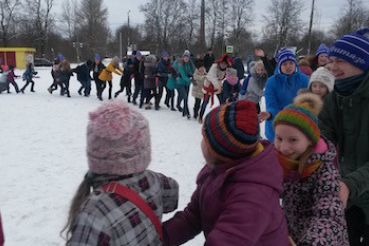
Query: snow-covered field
x=43, y=160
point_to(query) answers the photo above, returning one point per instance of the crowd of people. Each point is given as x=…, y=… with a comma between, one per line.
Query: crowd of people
x=314, y=159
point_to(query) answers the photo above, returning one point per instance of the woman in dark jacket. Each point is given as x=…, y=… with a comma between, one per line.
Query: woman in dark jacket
x=28, y=75
x=65, y=72
x=150, y=83
x=83, y=76
x=97, y=67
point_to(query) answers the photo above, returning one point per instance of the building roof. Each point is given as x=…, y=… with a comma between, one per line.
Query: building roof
x=18, y=49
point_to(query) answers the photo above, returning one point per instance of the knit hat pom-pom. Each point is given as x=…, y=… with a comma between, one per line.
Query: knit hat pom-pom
x=313, y=101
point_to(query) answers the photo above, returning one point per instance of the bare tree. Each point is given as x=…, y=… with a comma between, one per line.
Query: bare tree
x=39, y=21
x=213, y=12
x=241, y=17
x=192, y=19
x=8, y=13
x=69, y=17
x=224, y=19
x=283, y=22
x=162, y=20
x=353, y=17
x=93, y=26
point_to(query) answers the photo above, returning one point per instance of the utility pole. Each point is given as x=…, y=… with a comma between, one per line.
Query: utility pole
x=310, y=26
x=78, y=46
x=202, y=25
x=120, y=46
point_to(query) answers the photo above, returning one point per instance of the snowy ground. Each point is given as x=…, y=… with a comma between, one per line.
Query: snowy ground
x=43, y=160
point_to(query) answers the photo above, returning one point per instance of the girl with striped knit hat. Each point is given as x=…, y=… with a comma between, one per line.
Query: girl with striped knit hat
x=237, y=197
x=314, y=211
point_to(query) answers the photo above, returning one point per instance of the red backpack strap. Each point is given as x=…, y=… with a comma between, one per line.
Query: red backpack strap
x=133, y=197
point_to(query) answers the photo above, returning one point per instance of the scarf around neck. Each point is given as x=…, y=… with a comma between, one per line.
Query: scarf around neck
x=347, y=86
x=291, y=168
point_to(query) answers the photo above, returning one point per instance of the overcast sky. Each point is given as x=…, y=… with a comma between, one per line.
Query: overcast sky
x=327, y=12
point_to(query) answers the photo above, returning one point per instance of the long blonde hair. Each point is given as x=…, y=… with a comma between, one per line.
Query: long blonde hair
x=79, y=198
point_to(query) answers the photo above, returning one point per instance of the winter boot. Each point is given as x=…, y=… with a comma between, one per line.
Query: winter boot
x=147, y=106
x=195, y=114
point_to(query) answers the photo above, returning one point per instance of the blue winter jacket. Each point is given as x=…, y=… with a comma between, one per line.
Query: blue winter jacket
x=29, y=73
x=280, y=90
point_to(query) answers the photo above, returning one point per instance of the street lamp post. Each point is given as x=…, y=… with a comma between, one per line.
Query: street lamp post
x=78, y=45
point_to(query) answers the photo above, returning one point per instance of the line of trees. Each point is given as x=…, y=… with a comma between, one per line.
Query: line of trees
x=172, y=25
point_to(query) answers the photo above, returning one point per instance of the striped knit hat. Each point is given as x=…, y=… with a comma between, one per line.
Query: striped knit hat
x=353, y=48
x=231, y=131
x=302, y=114
x=322, y=49
x=286, y=55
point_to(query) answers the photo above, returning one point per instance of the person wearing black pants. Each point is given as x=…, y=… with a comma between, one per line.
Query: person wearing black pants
x=125, y=81
x=97, y=67
x=163, y=67
x=150, y=89
x=65, y=72
x=83, y=76
x=197, y=84
x=28, y=75
x=10, y=79
x=139, y=75
x=55, y=75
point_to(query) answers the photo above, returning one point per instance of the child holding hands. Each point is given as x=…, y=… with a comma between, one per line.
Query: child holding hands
x=237, y=197
x=314, y=211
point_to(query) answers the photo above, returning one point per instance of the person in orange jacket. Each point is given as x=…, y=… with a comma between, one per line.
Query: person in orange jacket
x=107, y=74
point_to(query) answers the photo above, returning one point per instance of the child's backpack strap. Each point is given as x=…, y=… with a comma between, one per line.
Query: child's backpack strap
x=120, y=190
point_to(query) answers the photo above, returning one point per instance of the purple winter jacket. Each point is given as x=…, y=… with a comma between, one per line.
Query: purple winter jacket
x=235, y=203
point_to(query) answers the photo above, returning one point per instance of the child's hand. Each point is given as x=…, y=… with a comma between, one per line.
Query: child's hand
x=292, y=243
x=264, y=116
x=344, y=193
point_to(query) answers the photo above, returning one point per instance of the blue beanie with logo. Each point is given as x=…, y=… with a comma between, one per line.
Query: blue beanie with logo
x=97, y=57
x=322, y=49
x=285, y=55
x=353, y=48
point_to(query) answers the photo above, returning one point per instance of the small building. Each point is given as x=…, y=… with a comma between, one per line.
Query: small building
x=16, y=56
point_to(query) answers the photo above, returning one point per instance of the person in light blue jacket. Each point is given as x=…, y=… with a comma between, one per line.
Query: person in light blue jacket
x=281, y=89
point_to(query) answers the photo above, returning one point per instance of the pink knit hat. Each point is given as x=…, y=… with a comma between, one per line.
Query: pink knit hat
x=118, y=140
